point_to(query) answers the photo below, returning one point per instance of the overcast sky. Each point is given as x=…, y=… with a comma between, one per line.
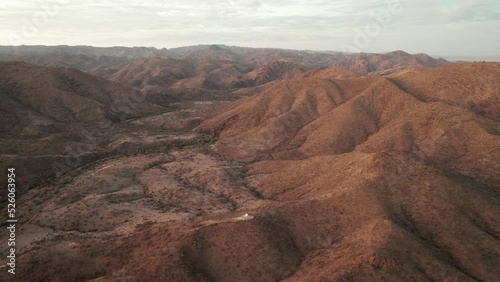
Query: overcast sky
x=446, y=27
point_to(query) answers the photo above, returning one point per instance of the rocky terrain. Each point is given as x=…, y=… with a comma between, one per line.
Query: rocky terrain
x=173, y=80
x=381, y=170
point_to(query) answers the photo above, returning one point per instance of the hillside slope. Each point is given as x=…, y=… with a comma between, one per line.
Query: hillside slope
x=64, y=95
x=343, y=177
x=367, y=169
x=46, y=112
x=172, y=80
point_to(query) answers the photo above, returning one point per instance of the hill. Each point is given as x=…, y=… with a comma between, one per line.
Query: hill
x=277, y=70
x=45, y=111
x=362, y=166
x=61, y=95
x=208, y=72
x=106, y=61
x=386, y=64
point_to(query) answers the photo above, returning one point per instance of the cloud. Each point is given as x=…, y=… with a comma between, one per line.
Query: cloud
x=314, y=24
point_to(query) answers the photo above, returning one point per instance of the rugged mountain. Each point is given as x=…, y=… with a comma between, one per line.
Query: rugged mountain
x=173, y=80
x=385, y=64
x=207, y=72
x=124, y=52
x=363, y=63
x=343, y=176
x=207, y=52
x=478, y=91
x=93, y=60
x=159, y=71
x=295, y=114
x=170, y=80
x=61, y=95
x=363, y=166
x=105, y=61
x=96, y=65
x=277, y=70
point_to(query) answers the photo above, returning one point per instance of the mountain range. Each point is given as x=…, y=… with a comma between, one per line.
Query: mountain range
x=221, y=163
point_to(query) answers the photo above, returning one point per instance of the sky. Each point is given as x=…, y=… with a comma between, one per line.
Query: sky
x=465, y=28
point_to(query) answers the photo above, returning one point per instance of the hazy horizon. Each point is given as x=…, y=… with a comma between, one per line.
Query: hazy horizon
x=447, y=57
x=459, y=29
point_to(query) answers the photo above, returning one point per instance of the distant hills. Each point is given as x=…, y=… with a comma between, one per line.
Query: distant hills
x=207, y=72
x=352, y=167
x=56, y=91
x=97, y=60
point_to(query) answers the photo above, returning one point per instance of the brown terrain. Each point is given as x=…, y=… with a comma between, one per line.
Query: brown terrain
x=59, y=116
x=406, y=160
x=381, y=170
x=174, y=80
